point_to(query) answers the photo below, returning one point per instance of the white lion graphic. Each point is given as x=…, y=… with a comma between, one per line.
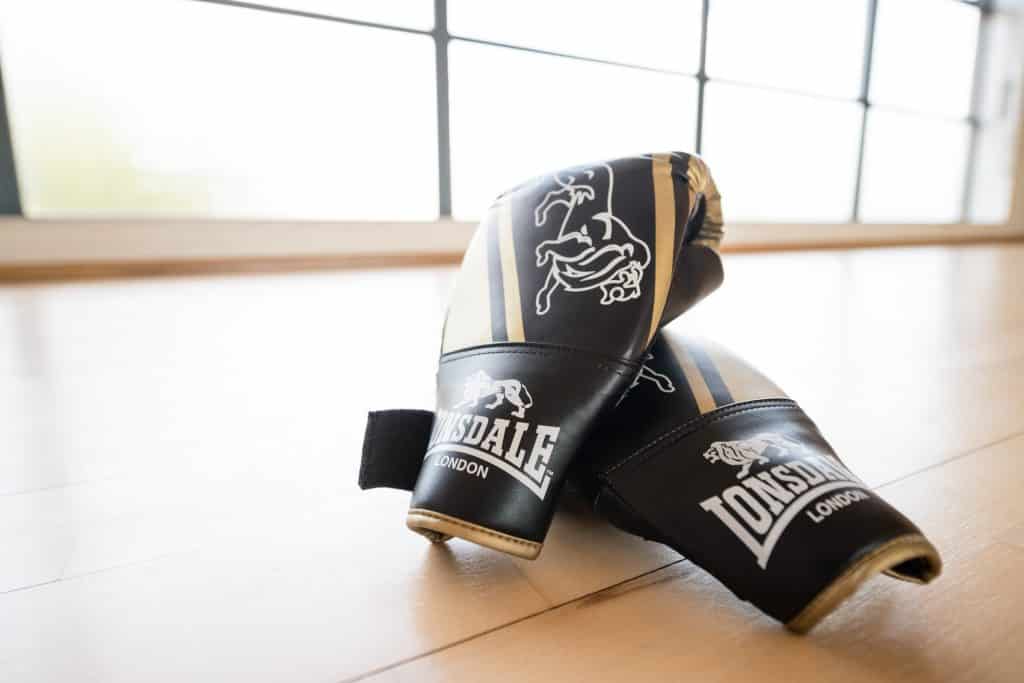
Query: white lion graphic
x=480, y=385
x=747, y=452
x=594, y=249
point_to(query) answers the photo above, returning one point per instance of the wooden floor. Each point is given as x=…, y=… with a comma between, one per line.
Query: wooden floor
x=178, y=503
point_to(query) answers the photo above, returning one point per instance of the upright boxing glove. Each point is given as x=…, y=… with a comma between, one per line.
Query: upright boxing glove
x=563, y=287
x=708, y=456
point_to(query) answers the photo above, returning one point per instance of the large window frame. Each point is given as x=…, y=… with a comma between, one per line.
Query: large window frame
x=449, y=236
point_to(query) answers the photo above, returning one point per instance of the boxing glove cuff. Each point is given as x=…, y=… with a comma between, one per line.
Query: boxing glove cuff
x=499, y=452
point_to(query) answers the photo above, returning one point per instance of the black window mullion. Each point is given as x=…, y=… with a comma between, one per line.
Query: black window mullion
x=973, y=117
x=444, y=152
x=702, y=76
x=10, y=196
x=865, y=103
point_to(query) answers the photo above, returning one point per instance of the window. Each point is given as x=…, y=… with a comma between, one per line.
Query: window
x=918, y=133
x=180, y=108
x=806, y=111
x=517, y=114
x=781, y=156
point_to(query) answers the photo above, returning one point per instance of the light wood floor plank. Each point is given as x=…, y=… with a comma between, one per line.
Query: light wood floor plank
x=313, y=594
x=178, y=461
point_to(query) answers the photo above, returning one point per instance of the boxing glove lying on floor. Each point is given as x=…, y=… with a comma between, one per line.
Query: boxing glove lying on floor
x=563, y=287
x=708, y=456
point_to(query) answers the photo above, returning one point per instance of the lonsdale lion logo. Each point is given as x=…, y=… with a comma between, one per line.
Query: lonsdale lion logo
x=748, y=452
x=594, y=249
x=475, y=444
x=480, y=385
x=802, y=485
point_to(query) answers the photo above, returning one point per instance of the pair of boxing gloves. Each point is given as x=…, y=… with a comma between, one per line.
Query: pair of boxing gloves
x=554, y=367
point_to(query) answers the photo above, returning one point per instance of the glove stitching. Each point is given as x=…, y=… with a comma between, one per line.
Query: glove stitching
x=538, y=349
x=654, y=446
x=628, y=370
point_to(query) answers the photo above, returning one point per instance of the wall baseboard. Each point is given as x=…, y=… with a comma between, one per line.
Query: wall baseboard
x=41, y=250
x=108, y=270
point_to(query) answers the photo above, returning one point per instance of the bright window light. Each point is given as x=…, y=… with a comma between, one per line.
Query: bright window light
x=417, y=14
x=247, y=110
x=516, y=114
x=924, y=55
x=781, y=157
x=651, y=33
x=215, y=111
x=913, y=168
x=806, y=45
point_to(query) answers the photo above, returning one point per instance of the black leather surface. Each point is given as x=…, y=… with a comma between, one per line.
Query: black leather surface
x=391, y=432
x=775, y=533
x=612, y=319
x=499, y=457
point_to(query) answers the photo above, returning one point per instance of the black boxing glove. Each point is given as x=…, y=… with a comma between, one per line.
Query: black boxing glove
x=708, y=456
x=563, y=287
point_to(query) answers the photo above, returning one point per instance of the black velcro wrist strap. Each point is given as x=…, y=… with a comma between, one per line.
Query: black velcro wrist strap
x=393, y=448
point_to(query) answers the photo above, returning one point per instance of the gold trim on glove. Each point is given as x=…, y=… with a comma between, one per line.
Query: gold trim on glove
x=439, y=527
x=882, y=559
